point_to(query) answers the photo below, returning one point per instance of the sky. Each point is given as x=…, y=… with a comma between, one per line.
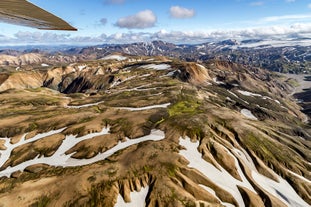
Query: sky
x=175, y=21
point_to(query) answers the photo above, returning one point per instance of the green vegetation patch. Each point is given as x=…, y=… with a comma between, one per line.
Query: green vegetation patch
x=42, y=202
x=184, y=107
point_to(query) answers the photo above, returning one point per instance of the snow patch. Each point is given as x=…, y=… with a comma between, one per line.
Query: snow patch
x=114, y=57
x=44, y=65
x=299, y=176
x=81, y=67
x=170, y=74
x=247, y=93
x=220, y=177
x=248, y=114
x=201, y=66
x=156, y=67
x=59, y=158
x=282, y=190
x=218, y=82
x=145, y=108
x=84, y=105
x=138, y=199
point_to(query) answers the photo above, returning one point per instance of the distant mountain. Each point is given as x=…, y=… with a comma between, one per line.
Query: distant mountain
x=292, y=56
x=287, y=56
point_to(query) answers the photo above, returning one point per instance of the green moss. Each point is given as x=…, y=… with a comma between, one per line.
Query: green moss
x=171, y=169
x=86, y=119
x=32, y=126
x=293, y=82
x=78, y=130
x=147, y=168
x=97, y=109
x=184, y=107
x=42, y=202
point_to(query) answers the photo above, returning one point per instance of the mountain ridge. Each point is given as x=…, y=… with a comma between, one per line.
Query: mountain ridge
x=282, y=56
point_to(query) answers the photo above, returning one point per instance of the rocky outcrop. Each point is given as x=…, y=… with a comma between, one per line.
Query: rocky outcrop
x=24, y=59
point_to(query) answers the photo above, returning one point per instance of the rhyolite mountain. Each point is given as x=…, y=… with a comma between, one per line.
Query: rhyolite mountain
x=287, y=56
x=152, y=131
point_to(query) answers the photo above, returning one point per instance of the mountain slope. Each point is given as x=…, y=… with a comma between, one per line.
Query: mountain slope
x=179, y=133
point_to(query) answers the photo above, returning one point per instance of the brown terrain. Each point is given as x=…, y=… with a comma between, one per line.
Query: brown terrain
x=163, y=118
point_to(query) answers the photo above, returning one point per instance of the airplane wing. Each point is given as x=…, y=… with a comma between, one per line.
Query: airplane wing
x=21, y=12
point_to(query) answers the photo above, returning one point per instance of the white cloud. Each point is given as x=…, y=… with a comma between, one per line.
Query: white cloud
x=309, y=6
x=273, y=32
x=286, y=17
x=141, y=20
x=181, y=13
x=257, y=3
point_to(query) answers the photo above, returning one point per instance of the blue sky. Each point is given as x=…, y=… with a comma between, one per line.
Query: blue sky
x=177, y=21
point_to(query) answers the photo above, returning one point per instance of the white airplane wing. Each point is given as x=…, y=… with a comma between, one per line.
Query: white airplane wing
x=21, y=12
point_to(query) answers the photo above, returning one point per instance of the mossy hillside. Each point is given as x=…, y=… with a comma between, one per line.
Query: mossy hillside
x=199, y=112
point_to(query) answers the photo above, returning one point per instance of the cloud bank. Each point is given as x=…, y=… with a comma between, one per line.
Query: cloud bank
x=141, y=20
x=181, y=13
x=191, y=37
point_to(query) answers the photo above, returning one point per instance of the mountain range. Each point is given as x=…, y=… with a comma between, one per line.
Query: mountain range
x=99, y=128
x=286, y=56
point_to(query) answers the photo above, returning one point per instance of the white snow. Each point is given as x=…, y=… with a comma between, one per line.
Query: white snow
x=247, y=93
x=213, y=193
x=277, y=101
x=145, y=108
x=244, y=156
x=218, y=82
x=116, y=83
x=277, y=43
x=59, y=158
x=156, y=67
x=169, y=74
x=114, y=57
x=84, y=105
x=137, y=199
x=201, y=66
x=299, y=176
x=233, y=94
x=81, y=67
x=5, y=154
x=248, y=114
x=44, y=65
x=282, y=190
x=220, y=177
x=155, y=135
